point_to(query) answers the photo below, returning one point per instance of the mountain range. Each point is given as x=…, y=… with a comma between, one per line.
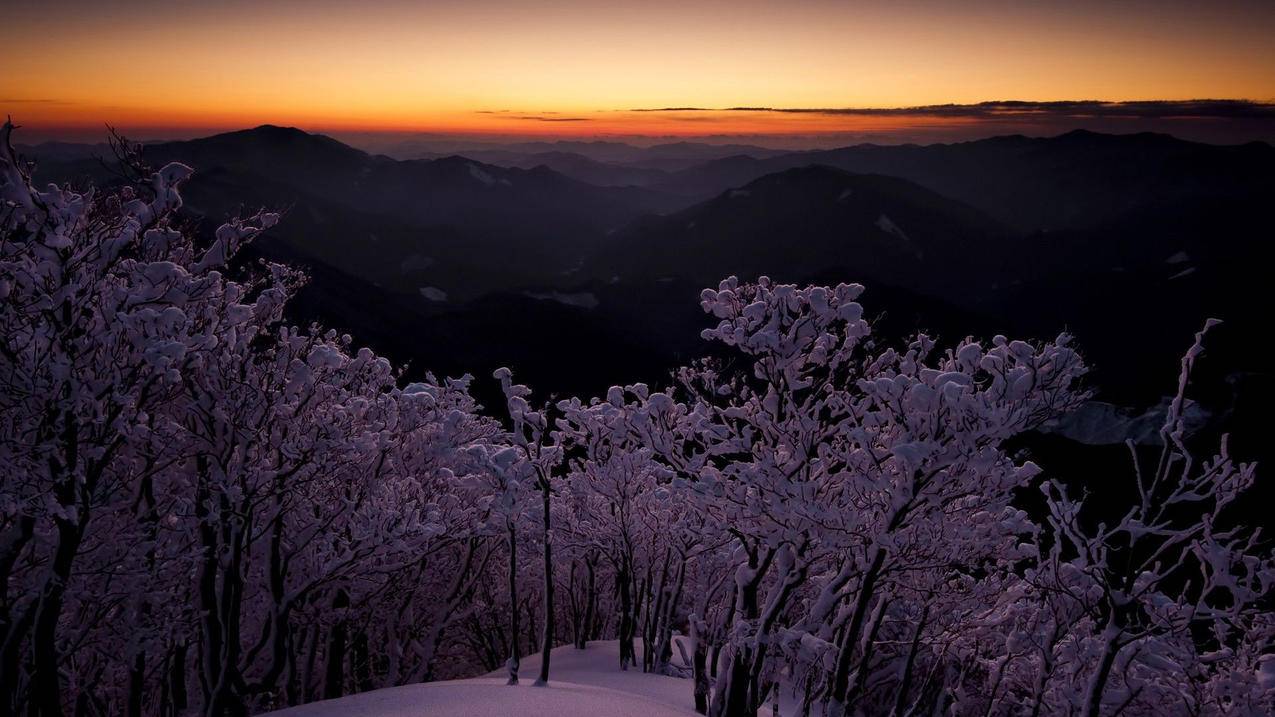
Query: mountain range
x=579, y=264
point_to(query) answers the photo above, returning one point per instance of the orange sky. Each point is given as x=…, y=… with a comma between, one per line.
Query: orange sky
x=513, y=67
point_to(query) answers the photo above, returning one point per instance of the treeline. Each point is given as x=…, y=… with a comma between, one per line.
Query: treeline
x=206, y=510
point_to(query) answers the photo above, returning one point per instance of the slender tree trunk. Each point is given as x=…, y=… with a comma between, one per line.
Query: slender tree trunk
x=654, y=612
x=533, y=632
x=514, y=652
x=699, y=667
x=792, y=574
x=12, y=629
x=46, y=687
x=361, y=662
x=735, y=689
x=1098, y=683
x=72, y=493
x=664, y=644
x=291, y=675
x=312, y=657
x=845, y=656
x=224, y=608
x=909, y=667
x=738, y=669
x=136, y=684
x=623, y=582
x=177, y=678
x=546, y=643
x=861, y=674
x=591, y=601
x=334, y=674
x=1046, y=670
x=448, y=607
x=575, y=608
x=210, y=642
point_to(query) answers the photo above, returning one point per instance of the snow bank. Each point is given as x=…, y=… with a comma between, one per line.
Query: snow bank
x=599, y=665
x=583, y=683
x=488, y=697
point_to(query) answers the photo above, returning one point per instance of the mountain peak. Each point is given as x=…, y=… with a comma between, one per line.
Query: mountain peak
x=1085, y=135
x=277, y=129
x=810, y=173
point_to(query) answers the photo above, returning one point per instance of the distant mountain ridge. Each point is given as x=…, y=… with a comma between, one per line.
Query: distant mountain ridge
x=451, y=223
x=1129, y=241
x=804, y=221
x=1074, y=180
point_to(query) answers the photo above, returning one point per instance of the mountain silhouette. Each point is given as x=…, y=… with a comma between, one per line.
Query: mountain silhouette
x=1129, y=241
x=1075, y=180
x=796, y=223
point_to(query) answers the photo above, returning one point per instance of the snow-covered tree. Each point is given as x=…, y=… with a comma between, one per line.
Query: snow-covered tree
x=539, y=456
x=206, y=509
x=1171, y=593
x=868, y=464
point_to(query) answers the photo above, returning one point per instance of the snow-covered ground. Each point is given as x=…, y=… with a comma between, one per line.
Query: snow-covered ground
x=583, y=683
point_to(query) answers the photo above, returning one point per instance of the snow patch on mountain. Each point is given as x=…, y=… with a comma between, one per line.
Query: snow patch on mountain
x=888, y=226
x=482, y=175
x=1097, y=423
x=433, y=293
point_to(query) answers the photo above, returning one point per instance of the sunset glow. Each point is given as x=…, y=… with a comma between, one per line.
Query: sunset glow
x=577, y=68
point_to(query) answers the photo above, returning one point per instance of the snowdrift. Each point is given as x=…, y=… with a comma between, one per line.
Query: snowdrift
x=587, y=683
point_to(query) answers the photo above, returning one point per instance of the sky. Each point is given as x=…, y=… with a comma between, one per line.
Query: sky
x=898, y=71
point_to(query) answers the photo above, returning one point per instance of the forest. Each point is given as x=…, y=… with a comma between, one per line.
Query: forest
x=206, y=509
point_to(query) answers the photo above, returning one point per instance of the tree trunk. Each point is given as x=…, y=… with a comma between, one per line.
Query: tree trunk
x=361, y=662
x=546, y=642
x=845, y=656
x=861, y=674
x=334, y=674
x=909, y=667
x=1098, y=683
x=312, y=657
x=654, y=612
x=46, y=689
x=575, y=608
x=12, y=630
x=136, y=684
x=591, y=601
x=72, y=495
x=514, y=651
x=699, y=668
x=622, y=578
x=664, y=643
x=177, y=679
x=735, y=689
x=1046, y=671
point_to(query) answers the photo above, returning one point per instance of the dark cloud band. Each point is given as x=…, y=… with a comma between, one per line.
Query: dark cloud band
x=1014, y=109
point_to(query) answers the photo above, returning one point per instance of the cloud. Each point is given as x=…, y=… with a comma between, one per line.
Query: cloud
x=682, y=109
x=26, y=101
x=542, y=118
x=1017, y=109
